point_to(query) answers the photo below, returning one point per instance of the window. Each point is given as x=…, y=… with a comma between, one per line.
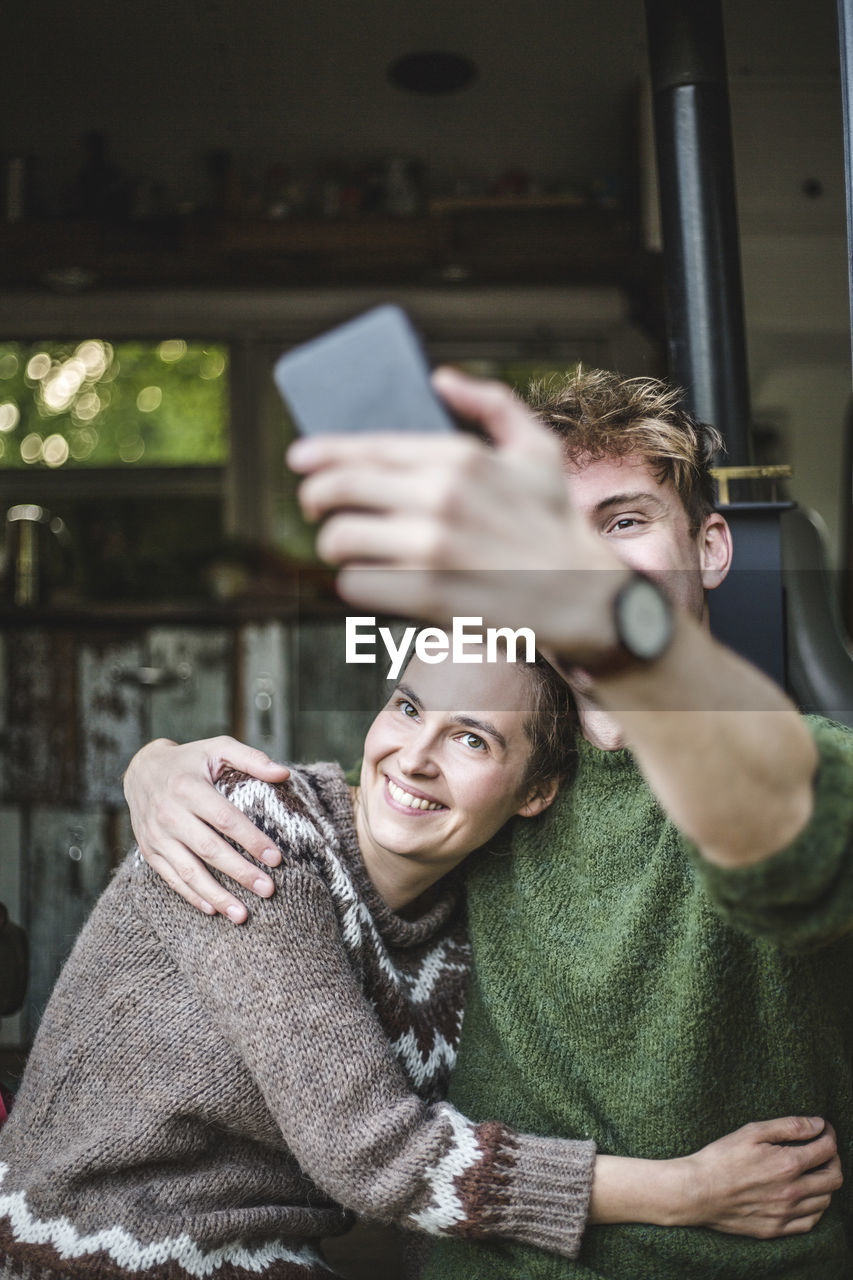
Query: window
x=126, y=444
x=94, y=404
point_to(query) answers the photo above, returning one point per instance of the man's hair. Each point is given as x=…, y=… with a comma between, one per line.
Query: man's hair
x=550, y=726
x=600, y=414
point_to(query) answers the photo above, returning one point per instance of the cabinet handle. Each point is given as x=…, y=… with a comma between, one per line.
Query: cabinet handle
x=264, y=691
x=154, y=677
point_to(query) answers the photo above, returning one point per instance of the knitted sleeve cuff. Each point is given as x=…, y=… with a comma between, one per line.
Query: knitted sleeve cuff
x=802, y=896
x=494, y=1182
x=549, y=1195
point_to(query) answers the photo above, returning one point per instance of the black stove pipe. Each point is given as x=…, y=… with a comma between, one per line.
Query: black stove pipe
x=707, y=342
x=845, y=41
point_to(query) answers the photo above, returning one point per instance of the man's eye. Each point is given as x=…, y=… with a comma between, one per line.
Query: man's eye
x=474, y=741
x=626, y=522
x=408, y=709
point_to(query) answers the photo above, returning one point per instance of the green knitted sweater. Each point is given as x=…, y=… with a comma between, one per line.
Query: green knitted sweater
x=627, y=992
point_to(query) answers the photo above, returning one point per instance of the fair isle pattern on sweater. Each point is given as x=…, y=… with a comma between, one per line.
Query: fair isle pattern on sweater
x=202, y=1100
x=425, y=1049
x=130, y=1255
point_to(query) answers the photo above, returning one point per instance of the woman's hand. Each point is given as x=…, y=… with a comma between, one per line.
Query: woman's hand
x=177, y=815
x=752, y=1182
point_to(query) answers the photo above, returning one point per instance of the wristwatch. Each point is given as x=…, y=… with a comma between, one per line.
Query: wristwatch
x=645, y=624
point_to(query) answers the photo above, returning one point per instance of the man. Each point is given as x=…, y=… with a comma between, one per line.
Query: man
x=668, y=955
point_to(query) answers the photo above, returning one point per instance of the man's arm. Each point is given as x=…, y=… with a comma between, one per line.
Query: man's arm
x=721, y=746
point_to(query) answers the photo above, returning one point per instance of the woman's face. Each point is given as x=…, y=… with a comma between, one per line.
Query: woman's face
x=444, y=761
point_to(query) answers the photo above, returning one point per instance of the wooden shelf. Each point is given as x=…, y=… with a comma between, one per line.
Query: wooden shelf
x=490, y=240
x=455, y=204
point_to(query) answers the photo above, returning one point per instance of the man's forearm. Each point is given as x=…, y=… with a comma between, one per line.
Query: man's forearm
x=721, y=746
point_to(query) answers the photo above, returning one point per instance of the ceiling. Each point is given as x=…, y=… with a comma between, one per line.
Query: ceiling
x=302, y=84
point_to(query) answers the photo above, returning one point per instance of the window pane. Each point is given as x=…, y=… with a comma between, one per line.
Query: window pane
x=99, y=404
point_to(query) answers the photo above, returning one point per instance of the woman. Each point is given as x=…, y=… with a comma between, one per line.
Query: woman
x=202, y=1100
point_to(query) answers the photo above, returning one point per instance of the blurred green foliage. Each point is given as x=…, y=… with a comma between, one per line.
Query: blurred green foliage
x=97, y=404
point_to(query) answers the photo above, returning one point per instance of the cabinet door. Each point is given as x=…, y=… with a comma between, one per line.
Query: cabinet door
x=39, y=746
x=332, y=702
x=12, y=895
x=264, y=717
x=110, y=715
x=190, y=683
x=68, y=863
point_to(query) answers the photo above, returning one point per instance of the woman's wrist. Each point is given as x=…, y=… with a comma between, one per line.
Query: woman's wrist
x=661, y=1192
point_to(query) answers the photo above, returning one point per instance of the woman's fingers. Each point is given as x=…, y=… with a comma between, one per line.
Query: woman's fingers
x=811, y=1154
x=769, y=1178
x=811, y=1205
x=825, y=1179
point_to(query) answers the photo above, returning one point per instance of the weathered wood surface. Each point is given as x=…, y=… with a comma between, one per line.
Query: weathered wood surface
x=69, y=863
x=12, y=893
x=110, y=706
x=193, y=697
x=263, y=693
x=74, y=708
x=39, y=740
x=332, y=702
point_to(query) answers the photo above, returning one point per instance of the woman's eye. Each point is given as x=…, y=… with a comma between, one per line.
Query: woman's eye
x=409, y=709
x=474, y=741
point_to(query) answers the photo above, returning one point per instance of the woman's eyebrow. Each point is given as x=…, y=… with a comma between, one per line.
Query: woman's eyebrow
x=468, y=722
x=482, y=726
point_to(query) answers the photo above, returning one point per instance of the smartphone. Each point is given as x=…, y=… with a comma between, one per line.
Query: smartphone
x=369, y=374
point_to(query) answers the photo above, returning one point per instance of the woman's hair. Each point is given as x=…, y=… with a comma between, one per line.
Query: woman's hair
x=550, y=726
x=599, y=414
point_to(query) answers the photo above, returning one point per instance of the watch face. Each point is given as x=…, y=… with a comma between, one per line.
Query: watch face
x=644, y=619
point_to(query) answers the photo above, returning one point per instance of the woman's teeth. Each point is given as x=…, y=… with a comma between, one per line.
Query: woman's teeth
x=412, y=802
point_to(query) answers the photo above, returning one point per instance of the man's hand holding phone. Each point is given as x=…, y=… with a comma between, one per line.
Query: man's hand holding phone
x=458, y=515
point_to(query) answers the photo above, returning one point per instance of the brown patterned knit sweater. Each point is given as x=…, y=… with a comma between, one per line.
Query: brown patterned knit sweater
x=201, y=1100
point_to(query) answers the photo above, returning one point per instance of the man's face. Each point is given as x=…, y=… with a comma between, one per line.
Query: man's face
x=645, y=522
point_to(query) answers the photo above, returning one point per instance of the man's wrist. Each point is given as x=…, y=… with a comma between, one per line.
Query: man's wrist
x=628, y=623
x=644, y=626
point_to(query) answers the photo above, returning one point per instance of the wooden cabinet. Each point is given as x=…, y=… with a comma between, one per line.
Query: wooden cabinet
x=77, y=702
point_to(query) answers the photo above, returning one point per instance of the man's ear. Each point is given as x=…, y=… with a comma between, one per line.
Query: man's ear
x=539, y=799
x=715, y=550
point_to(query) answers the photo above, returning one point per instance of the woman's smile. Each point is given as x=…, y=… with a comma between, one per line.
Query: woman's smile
x=408, y=799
